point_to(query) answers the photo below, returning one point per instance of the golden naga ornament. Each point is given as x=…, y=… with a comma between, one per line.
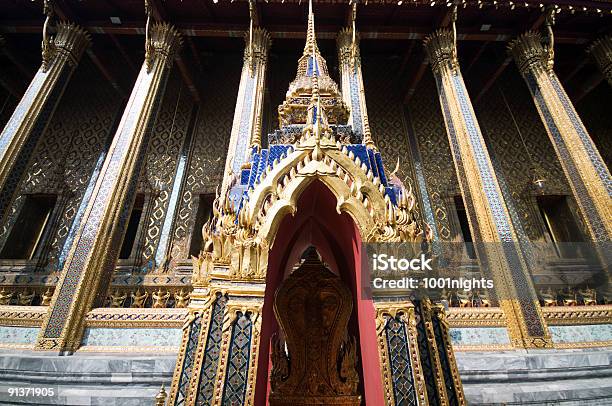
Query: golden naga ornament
x=319, y=367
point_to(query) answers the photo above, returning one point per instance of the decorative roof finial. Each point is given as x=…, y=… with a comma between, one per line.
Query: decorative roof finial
x=316, y=124
x=311, y=39
x=312, y=86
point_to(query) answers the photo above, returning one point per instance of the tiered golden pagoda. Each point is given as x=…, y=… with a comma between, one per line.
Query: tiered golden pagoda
x=311, y=65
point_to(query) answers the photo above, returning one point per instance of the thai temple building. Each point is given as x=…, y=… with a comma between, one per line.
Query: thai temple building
x=191, y=191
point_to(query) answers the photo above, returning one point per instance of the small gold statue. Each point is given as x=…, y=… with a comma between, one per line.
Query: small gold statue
x=589, y=296
x=5, y=297
x=25, y=297
x=548, y=297
x=139, y=298
x=568, y=297
x=464, y=299
x=46, y=297
x=117, y=298
x=160, y=298
x=181, y=299
x=480, y=299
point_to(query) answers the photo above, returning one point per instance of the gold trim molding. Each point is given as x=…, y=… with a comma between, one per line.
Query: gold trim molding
x=577, y=315
x=123, y=349
x=476, y=317
x=588, y=344
x=22, y=316
x=137, y=317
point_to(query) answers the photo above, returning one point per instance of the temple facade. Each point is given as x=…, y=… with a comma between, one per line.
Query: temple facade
x=191, y=193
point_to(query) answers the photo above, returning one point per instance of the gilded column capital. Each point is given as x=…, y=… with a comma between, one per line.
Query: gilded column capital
x=441, y=49
x=528, y=52
x=344, y=41
x=258, y=45
x=166, y=41
x=70, y=42
x=601, y=51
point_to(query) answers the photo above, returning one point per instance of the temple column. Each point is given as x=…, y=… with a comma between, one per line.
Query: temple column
x=91, y=258
x=496, y=239
x=246, y=128
x=213, y=360
x=584, y=168
x=352, y=84
x=601, y=50
x=34, y=111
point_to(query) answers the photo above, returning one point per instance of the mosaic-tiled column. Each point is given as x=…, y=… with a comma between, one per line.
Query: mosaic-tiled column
x=418, y=364
x=34, y=111
x=584, y=168
x=92, y=256
x=352, y=84
x=246, y=128
x=497, y=242
x=217, y=362
x=601, y=50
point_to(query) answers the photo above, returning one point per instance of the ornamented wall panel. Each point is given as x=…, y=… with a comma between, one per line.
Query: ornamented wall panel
x=63, y=160
x=436, y=156
x=596, y=117
x=503, y=125
x=161, y=160
x=209, y=146
x=386, y=115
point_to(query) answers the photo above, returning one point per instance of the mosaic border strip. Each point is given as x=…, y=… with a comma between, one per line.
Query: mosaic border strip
x=137, y=317
x=22, y=316
x=573, y=315
x=476, y=317
x=138, y=349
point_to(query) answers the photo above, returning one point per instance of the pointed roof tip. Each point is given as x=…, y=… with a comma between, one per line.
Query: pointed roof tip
x=311, y=39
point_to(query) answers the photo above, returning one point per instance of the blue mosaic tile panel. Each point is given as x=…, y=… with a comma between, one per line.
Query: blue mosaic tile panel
x=127, y=337
x=18, y=335
x=479, y=335
x=584, y=333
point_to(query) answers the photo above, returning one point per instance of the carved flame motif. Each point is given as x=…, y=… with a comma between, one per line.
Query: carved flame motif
x=313, y=307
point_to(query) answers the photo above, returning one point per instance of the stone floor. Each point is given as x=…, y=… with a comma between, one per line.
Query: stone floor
x=85, y=379
x=557, y=377
x=537, y=377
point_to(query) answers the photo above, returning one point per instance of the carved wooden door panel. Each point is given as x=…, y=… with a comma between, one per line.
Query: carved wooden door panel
x=317, y=366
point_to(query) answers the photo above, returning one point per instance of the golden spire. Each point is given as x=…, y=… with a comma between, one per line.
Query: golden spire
x=312, y=77
x=311, y=47
x=316, y=123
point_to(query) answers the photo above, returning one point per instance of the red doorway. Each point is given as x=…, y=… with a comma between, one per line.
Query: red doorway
x=337, y=239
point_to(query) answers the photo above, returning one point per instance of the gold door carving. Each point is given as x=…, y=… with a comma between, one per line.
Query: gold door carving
x=317, y=365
